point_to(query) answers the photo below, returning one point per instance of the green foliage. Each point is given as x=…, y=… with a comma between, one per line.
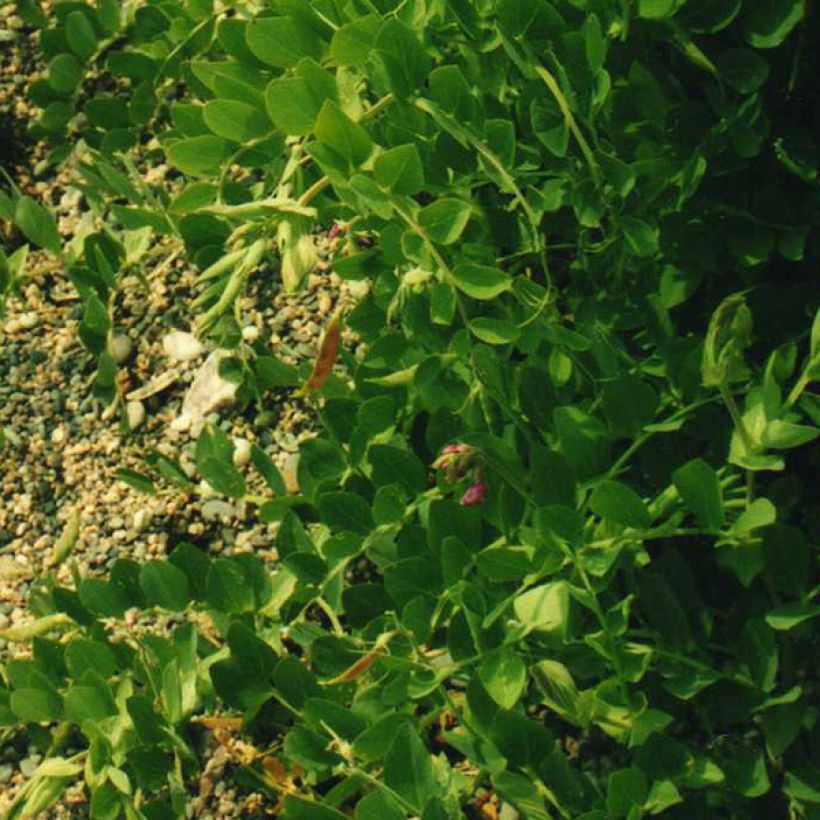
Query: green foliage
x=557, y=538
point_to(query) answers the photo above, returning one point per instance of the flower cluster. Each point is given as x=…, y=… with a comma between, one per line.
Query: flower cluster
x=457, y=461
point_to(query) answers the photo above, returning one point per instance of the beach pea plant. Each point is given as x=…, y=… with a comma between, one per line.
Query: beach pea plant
x=554, y=548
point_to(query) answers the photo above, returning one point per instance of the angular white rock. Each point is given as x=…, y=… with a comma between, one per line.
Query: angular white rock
x=181, y=346
x=208, y=393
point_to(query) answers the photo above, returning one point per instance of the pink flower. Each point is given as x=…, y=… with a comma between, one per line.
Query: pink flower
x=335, y=230
x=454, y=460
x=475, y=493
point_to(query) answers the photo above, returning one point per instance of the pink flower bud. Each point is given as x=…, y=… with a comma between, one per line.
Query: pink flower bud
x=455, y=459
x=335, y=230
x=475, y=494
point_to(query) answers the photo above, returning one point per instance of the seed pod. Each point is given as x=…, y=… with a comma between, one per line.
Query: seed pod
x=21, y=634
x=68, y=539
x=327, y=355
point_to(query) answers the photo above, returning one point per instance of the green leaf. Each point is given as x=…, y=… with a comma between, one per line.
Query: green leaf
x=760, y=513
x=626, y=789
x=544, y=608
x=227, y=588
x=803, y=784
x=37, y=224
x=618, y=502
x=559, y=690
x=377, y=806
x=83, y=655
x=767, y=23
x=294, y=103
x=504, y=676
x=699, y=487
x=758, y=648
x=347, y=512
x=408, y=768
x=444, y=220
x=139, y=481
x=235, y=121
x=281, y=41
x=641, y=237
x=480, y=281
x=494, y=331
x=64, y=73
x=214, y=460
x=164, y=585
x=36, y=705
x=347, y=140
x=80, y=35
x=199, y=156
x=505, y=563
x=400, y=170
x=662, y=795
x=658, y=9
x=783, y=435
x=787, y=616
x=402, y=58
x=89, y=703
x=300, y=808
x=745, y=70
x=352, y=43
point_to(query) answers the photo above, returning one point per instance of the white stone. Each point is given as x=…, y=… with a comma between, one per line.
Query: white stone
x=241, y=452
x=181, y=423
x=141, y=520
x=135, y=411
x=358, y=288
x=208, y=393
x=216, y=508
x=28, y=321
x=250, y=333
x=181, y=346
x=58, y=434
x=121, y=348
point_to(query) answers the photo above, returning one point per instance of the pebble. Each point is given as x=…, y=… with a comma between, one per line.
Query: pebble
x=324, y=303
x=59, y=434
x=135, y=410
x=250, y=333
x=141, y=520
x=242, y=452
x=29, y=765
x=121, y=347
x=216, y=508
x=208, y=392
x=359, y=288
x=181, y=346
x=28, y=321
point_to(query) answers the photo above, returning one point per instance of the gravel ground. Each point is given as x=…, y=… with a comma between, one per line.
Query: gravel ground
x=62, y=449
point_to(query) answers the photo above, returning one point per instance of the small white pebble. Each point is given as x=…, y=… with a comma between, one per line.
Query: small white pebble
x=250, y=333
x=242, y=452
x=141, y=520
x=58, y=434
x=135, y=410
x=121, y=348
x=181, y=346
x=28, y=321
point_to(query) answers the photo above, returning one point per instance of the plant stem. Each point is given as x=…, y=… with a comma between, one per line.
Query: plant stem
x=569, y=118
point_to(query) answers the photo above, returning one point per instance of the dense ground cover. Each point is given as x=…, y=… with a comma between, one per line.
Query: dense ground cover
x=553, y=551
